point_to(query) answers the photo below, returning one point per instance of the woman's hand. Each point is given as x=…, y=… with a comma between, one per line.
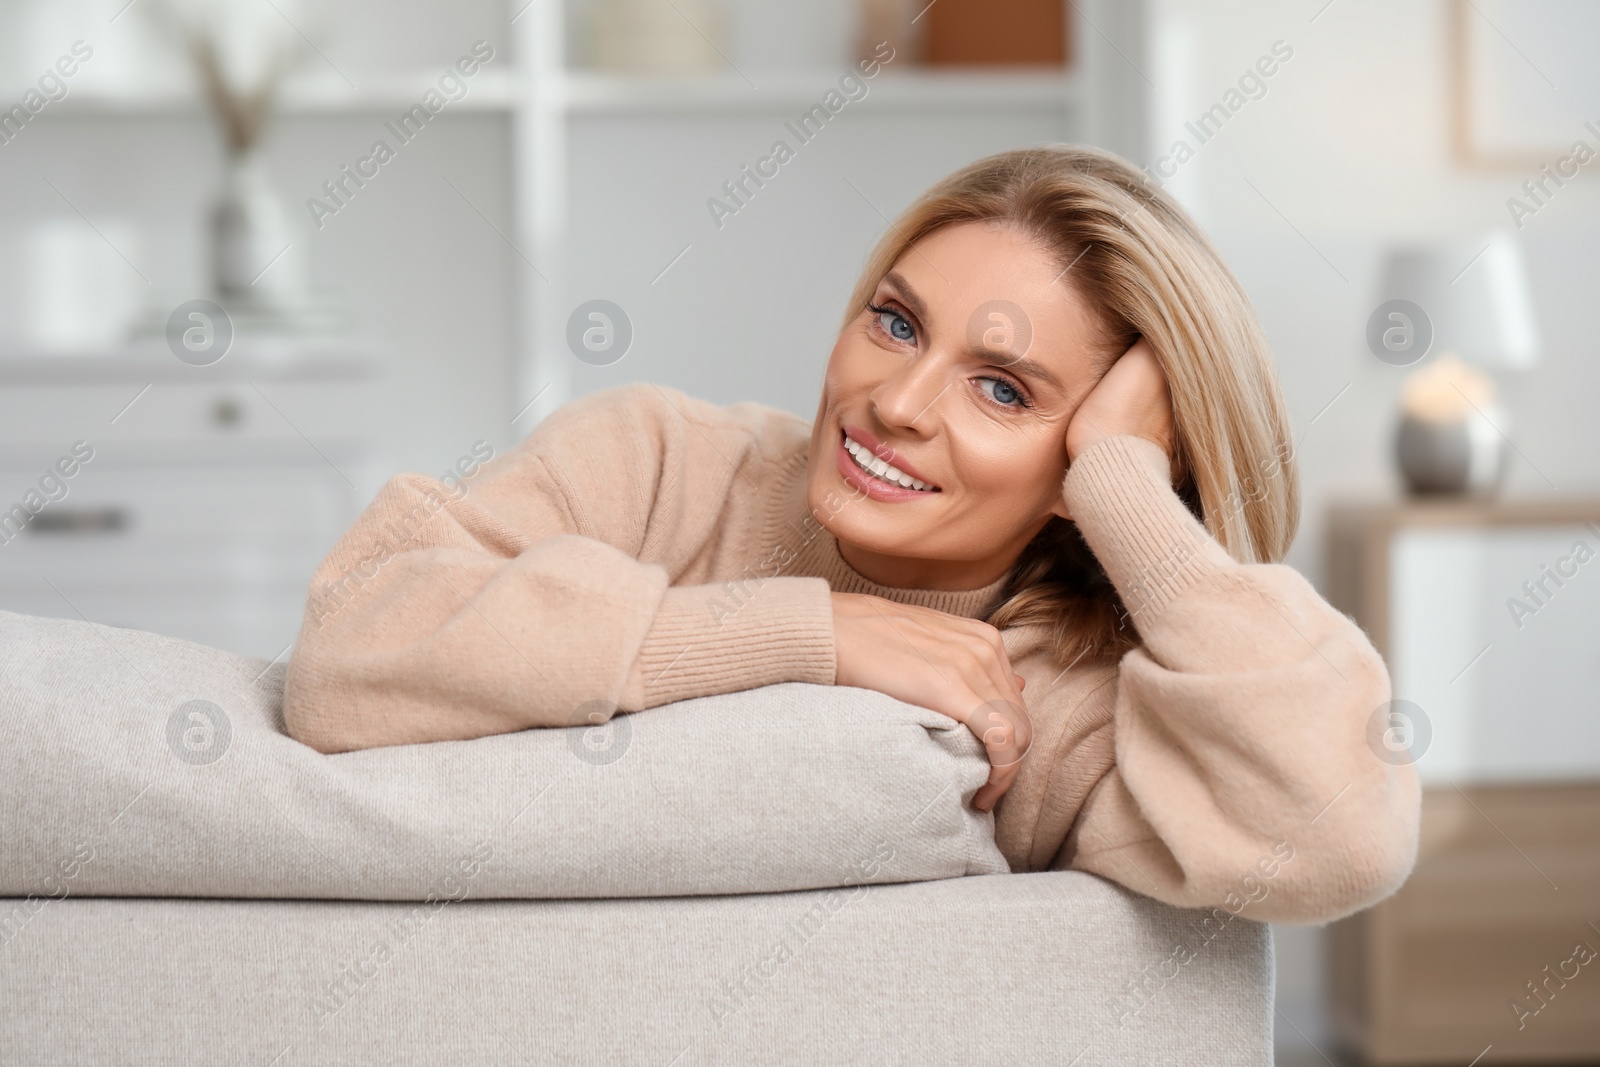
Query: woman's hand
x=949, y=664
x=1131, y=398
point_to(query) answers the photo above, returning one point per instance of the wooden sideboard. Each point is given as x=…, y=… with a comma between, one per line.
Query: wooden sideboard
x=1487, y=955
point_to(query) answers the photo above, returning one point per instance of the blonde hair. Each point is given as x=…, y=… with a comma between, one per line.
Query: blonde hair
x=1146, y=269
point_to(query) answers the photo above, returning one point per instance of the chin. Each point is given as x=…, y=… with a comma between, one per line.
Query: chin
x=839, y=511
x=828, y=500
x=825, y=498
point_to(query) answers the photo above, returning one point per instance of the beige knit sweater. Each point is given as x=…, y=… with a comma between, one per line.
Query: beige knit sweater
x=642, y=547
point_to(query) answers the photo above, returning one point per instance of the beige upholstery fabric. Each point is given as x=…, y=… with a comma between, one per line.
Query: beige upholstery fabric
x=139, y=765
x=112, y=784
x=1016, y=969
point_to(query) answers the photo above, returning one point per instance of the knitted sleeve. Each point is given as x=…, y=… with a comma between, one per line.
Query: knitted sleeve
x=1244, y=772
x=540, y=593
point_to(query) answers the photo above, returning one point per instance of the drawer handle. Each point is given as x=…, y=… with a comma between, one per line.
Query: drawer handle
x=226, y=411
x=79, y=520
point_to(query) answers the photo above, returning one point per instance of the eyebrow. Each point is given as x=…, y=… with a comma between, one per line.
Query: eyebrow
x=1023, y=365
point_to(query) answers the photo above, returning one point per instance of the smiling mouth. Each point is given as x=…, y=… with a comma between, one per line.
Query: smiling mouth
x=886, y=473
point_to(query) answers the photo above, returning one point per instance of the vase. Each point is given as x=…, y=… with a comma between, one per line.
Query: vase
x=650, y=38
x=254, y=264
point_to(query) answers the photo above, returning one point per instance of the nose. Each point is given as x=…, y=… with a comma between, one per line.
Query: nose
x=905, y=399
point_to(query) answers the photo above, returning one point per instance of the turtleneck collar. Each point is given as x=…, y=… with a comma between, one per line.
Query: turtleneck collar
x=817, y=552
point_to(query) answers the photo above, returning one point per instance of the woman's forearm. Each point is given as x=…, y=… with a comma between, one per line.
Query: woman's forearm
x=525, y=602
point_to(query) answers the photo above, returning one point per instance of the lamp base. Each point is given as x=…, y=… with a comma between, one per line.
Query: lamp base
x=1457, y=458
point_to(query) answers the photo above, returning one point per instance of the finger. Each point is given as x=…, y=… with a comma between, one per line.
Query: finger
x=988, y=795
x=999, y=783
x=1003, y=768
x=1009, y=713
x=999, y=725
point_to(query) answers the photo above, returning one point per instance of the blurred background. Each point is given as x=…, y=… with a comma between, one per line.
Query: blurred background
x=257, y=256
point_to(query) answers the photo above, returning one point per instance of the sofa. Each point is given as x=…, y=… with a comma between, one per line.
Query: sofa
x=792, y=874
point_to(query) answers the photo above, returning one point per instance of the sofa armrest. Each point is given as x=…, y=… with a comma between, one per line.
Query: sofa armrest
x=1026, y=968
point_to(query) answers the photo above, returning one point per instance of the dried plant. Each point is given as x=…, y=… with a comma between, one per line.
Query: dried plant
x=243, y=114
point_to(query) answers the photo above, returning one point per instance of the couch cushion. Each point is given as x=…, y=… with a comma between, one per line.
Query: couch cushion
x=134, y=764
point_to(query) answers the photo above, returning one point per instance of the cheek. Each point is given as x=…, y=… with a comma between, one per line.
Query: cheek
x=1015, y=468
x=854, y=368
x=851, y=357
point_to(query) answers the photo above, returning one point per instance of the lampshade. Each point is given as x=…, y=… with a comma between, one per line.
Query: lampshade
x=1475, y=292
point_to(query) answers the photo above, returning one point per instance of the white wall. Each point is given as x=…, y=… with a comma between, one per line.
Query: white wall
x=1352, y=144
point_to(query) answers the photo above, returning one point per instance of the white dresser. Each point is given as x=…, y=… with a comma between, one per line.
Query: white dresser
x=211, y=493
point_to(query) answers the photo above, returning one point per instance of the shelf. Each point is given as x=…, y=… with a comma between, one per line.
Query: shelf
x=601, y=94
x=151, y=362
x=488, y=90
x=595, y=93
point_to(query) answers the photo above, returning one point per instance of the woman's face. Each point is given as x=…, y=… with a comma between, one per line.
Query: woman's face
x=963, y=375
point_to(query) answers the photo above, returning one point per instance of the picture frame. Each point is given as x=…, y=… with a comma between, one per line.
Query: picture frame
x=1523, y=88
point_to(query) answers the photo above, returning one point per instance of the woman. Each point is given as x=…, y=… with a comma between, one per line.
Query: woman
x=1046, y=382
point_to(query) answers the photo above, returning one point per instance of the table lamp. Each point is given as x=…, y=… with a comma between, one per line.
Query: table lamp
x=1475, y=306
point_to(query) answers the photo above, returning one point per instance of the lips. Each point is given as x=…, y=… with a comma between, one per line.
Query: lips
x=887, y=454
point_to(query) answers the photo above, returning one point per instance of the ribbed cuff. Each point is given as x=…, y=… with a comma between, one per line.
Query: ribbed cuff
x=709, y=639
x=1151, y=547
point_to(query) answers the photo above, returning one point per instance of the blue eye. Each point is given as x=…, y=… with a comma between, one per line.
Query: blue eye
x=1004, y=393
x=894, y=324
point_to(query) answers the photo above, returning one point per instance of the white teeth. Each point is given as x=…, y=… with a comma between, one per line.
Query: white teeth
x=884, y=471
